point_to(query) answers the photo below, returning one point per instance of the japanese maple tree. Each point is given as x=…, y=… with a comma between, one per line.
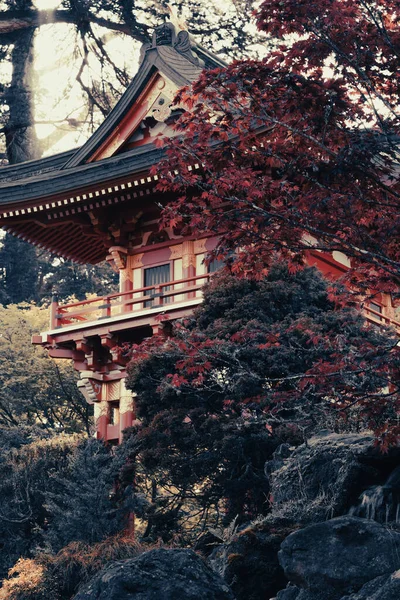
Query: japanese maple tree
x=260, y=363
x=298, y=150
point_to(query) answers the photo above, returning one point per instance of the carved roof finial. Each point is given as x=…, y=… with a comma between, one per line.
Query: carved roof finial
x=172, y=34
x=179, y=23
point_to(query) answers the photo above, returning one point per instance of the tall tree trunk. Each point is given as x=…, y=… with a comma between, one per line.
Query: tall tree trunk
x=21, y=141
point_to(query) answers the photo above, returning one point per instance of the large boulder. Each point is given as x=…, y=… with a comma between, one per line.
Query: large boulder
x=325, y=477
x=290, y=593
x=249, y=561
x=157, y=575
x=339, y=556
x=381, y=588
x=295, y=593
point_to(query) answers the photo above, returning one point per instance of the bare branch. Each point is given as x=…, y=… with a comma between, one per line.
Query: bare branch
x=13, y=21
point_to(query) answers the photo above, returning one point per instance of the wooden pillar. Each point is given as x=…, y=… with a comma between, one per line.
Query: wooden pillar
x=189, y=263
x=54, y=319
x=125, y=281
x=388, y=308
x=102, y=419
x=125, y=285
x=126, y=408
x=118, y=258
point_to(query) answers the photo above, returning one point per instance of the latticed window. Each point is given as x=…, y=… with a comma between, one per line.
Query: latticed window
x=155, y=276
x=377, y=308
x=215, y=265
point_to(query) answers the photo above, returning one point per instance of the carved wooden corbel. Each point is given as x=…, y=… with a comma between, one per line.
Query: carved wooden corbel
x=117, y=257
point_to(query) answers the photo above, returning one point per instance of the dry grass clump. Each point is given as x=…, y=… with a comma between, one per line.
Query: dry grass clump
x=24, y=580
x=59, y=577
x=78, y=562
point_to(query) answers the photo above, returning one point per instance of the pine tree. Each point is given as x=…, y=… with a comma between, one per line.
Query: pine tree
x=85, y=507
x=30, y=274
x=18, y=271
x=31, y=461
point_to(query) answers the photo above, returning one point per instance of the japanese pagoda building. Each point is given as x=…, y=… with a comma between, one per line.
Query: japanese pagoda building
x=99, y=202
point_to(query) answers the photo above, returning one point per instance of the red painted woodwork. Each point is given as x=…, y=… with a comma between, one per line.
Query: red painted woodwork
x=112, y=433
x=329, y=267
x=116, y=305
x=102, y=428
x=131, y=121
x=127, y=419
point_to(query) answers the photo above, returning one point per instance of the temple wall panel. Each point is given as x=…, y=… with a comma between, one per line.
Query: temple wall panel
x=178, y=274
x=113, y=390
x=201, y=269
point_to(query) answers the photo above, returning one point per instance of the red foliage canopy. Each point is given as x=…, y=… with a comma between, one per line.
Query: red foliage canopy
x=299, y=149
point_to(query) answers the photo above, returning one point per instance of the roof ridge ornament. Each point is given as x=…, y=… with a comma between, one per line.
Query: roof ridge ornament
x=179, y=23
x=164, y=35
x=174, y=34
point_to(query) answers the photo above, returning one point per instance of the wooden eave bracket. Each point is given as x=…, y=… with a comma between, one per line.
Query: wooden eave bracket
x=117, y=257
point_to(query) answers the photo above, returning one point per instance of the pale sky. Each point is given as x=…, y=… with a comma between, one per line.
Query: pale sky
x=57, y=92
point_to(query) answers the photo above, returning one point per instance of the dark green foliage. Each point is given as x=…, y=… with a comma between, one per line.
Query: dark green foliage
x=29, y=274
x=29, y=460
x=231, y=303
x=19, y=268
x=85, y=507
x=55, y=491
x=35, y=389
x=68, y=279
x=260, y=363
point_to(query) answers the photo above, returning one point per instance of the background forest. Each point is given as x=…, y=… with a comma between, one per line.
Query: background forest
x=273, y=357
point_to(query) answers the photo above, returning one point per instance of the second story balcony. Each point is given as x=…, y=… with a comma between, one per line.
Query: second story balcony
x=90, y=331
x=375, y=313
x=93, y=331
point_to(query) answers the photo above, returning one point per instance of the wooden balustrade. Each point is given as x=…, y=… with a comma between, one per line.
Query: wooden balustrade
x=373, y=316
x=151, y=298
x=147, y=298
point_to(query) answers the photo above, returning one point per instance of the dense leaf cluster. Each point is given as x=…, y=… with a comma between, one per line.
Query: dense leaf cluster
x=260, y=363
x=34, y=389
x=299, y=150
x=54, y=491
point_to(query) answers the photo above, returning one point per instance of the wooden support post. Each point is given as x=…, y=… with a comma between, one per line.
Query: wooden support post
x=54, y=317
x=127, y=408
x=106, y=308
x=189, y=264
x=102, y=419
x=126, y=285
x=158, y=300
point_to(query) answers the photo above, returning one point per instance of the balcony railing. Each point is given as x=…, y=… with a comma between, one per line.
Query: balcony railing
x=152, y=298
x=373, y=316
x=164, y=296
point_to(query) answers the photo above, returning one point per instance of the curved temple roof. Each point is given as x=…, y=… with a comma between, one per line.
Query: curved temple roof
x=48, y=201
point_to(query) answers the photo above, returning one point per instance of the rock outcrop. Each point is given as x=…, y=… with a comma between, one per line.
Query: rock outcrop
x=338, y=557
x=381, y=588
x=157, y=575
x=325, y=477
x=249, y=562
